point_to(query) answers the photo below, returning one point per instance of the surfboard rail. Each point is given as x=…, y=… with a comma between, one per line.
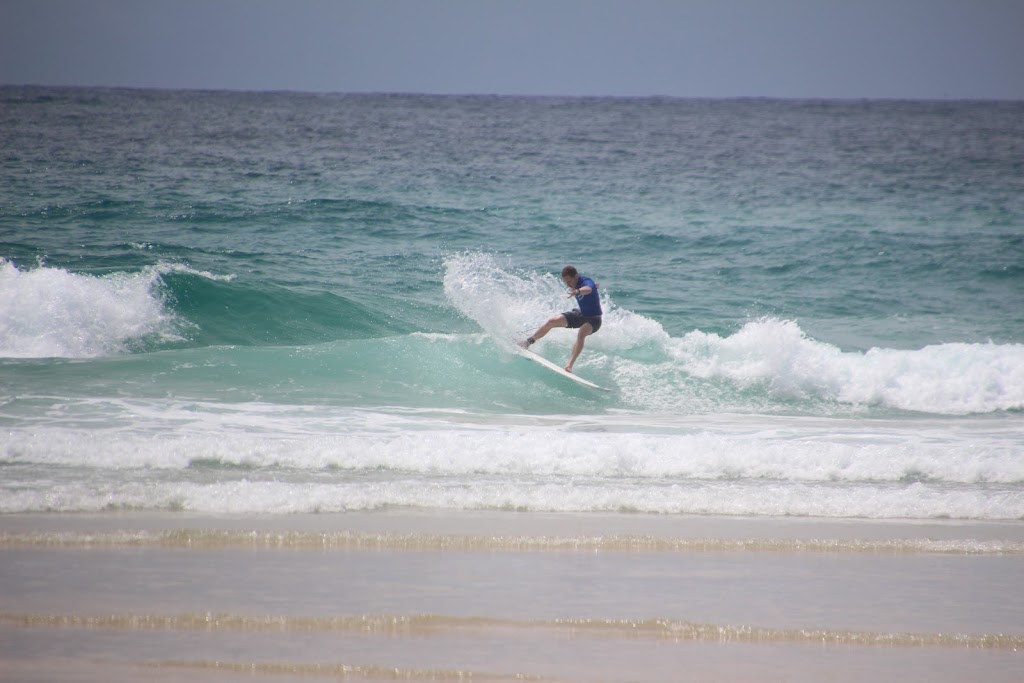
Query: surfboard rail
x=540, y=360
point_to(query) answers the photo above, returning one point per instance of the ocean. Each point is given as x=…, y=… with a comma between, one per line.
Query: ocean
x=280, y=302
x=260, y=410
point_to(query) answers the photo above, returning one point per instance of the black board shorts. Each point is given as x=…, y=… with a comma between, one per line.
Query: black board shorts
x=577, y=319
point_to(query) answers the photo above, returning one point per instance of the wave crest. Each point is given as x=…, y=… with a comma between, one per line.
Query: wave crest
x=50, y=312
x=776, y=355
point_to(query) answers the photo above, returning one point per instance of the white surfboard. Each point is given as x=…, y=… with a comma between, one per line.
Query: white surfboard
x=526, y=353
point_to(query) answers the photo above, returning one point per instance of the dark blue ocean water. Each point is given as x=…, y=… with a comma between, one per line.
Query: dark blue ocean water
x=274, y=302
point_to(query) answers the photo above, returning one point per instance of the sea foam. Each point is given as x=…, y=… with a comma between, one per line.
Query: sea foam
x=265, y=458
x=48, y=312
x=955, y=378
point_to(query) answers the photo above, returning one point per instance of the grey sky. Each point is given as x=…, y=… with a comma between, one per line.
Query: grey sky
x=688, y=48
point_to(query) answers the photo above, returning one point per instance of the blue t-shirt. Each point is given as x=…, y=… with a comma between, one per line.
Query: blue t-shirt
x=590, y=304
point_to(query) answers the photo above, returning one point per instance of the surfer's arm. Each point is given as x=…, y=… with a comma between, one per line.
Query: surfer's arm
x=578, y=291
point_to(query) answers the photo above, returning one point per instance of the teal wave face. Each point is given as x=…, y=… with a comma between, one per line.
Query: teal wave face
x=257, y=314
x=418, y=371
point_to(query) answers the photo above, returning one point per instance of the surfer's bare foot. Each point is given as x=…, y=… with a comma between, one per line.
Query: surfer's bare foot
x=527, y=342
x=568, y=368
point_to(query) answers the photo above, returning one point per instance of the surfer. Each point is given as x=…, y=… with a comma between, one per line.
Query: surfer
x=586, y=318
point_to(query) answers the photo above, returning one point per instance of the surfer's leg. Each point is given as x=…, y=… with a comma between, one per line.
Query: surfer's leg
x=553, y=322
x=577, y=348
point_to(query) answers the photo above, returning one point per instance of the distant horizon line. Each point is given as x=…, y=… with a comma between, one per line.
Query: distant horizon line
x=412, y=93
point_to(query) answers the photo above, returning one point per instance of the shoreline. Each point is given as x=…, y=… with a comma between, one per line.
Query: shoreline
x=503, y=596
x=500, y=522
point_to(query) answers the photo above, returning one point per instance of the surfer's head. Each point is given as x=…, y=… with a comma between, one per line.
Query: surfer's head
x=569, y=275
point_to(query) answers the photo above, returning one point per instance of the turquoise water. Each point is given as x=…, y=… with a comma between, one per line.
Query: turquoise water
x=277, y=302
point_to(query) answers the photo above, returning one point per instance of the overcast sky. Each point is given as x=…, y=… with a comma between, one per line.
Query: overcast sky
x=686, y=48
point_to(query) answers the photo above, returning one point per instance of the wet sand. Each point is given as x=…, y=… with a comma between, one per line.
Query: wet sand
x=404, y=595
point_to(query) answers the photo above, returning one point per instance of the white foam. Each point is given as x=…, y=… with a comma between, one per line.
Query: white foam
x=50, y=312
x=504, y=303
x=927, y=454
x=265, y=458
x=776, y=355
x=163, y=268
x=252, y=495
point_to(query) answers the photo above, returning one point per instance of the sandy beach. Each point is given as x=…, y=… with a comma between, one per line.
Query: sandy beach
x=507, y=596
